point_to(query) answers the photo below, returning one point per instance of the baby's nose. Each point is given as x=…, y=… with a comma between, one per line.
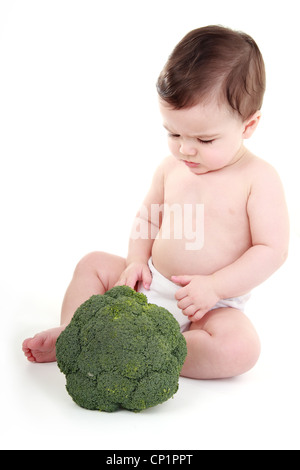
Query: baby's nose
x=188, y=149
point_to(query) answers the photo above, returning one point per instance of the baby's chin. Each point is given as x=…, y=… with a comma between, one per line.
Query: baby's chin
x=202, y=170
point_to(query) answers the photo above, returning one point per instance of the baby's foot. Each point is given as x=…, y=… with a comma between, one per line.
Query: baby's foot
x=41, y=348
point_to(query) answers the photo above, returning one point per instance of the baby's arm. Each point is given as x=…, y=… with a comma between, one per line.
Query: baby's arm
x=142, y=236
x=269, y=225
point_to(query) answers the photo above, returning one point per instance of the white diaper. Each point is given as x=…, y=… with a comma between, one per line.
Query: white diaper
x=162, y=292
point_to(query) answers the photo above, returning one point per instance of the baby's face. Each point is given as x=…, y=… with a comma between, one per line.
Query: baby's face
x=206, y=137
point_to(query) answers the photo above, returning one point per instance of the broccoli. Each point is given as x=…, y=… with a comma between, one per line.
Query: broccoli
x=119, y=351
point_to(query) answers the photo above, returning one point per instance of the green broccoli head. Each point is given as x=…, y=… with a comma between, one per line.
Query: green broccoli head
x=119, y=351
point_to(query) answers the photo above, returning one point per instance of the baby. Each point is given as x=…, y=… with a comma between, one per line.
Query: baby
x=214, y=224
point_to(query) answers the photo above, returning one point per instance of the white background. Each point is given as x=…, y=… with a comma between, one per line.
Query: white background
x=80, y=137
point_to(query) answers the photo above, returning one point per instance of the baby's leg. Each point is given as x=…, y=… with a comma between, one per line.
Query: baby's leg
x=222, y=344
x=95, y=274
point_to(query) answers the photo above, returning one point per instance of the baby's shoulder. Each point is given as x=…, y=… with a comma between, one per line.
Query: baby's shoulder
x=166, y=167
x=258, y=168
x=168, y=163
x=261, y=173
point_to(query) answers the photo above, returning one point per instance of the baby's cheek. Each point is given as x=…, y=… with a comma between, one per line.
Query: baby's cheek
x=174, y=149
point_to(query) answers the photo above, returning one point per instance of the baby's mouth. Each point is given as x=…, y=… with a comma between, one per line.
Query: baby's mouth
x=191, y=164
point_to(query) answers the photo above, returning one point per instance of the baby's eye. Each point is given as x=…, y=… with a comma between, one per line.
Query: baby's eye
x=205, y=141
x=174, y=136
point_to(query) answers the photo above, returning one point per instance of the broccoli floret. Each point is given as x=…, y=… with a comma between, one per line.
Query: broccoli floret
x=119, y=351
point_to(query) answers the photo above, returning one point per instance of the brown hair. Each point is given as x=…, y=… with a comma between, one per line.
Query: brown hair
x=210, y=59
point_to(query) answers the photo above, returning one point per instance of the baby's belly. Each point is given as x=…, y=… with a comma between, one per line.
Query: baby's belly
x=172, y=258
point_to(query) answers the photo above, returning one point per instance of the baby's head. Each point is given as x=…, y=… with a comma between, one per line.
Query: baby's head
x=214, y=62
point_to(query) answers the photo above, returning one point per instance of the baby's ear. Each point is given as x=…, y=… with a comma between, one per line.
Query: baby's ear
x=251, y=124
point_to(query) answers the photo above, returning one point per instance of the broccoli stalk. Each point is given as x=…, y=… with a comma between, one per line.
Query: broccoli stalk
x=119, y=351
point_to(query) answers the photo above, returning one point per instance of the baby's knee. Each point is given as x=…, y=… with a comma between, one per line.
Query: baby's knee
x=102, y=266
x=90, y=262
x=244, y=352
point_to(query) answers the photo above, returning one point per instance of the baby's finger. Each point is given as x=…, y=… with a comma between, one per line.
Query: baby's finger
x=189, y=311
x=198, y=315
x=181, y=293
x=146, y=278
x=131, y=281
x=181, y=280
x=184, y=303
x=125, y=281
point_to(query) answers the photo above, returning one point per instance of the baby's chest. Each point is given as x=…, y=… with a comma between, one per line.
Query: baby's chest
x=220, y=197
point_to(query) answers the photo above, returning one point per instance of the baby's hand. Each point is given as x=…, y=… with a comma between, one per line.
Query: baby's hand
x=134, y=273
x=197, y=296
